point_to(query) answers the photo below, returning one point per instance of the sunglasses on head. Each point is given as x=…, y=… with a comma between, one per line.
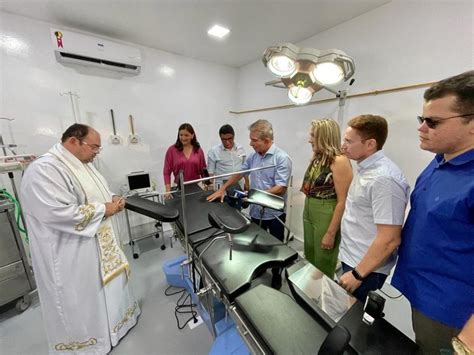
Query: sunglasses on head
x=433, y=122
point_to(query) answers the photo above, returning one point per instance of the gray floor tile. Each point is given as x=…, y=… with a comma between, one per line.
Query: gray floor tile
x=155, y=333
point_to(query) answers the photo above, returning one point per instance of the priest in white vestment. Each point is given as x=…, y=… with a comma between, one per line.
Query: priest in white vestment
x=81, y=271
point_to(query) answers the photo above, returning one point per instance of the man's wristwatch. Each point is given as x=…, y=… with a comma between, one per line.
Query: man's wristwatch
x=460, y=348
x=356, y=275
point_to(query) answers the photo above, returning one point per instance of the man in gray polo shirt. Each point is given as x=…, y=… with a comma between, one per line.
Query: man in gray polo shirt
x=375, y=208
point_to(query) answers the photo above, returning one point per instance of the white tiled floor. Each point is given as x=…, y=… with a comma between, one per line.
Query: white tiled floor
x=155, y=333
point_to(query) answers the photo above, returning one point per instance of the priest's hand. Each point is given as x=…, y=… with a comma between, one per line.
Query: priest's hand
x=120, y=201
x=111, y=208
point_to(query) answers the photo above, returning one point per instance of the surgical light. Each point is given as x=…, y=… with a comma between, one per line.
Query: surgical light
x=306, y=70
x=281, y=66
x=300, y=95
x=328, y=73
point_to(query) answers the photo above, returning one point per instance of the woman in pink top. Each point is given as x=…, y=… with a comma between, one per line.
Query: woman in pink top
x=185, y=154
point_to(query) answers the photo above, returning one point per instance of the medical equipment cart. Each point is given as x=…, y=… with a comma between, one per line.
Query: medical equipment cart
x=16, y=277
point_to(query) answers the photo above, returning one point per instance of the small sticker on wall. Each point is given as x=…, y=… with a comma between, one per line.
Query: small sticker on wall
x=59, y=39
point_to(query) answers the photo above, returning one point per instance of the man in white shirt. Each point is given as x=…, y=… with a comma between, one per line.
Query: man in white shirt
x=375, y=208
x=225, y=158
x=81, y=271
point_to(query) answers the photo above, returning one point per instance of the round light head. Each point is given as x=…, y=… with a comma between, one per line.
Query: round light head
x=328, y=73
x=300, y=95
x=281, y=65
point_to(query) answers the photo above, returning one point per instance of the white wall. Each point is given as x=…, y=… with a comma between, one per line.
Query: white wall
x=31, y=80
x=401, y=43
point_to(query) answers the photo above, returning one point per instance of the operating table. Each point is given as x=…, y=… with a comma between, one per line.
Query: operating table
x=268, y=320
x=254, y=250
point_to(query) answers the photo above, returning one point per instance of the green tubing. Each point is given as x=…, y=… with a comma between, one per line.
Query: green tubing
x=4, y=193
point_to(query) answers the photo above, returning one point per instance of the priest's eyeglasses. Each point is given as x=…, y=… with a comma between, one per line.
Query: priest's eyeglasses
x=95, y=148
x=433, y=122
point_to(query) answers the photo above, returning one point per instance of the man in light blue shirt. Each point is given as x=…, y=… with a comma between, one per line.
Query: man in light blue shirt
x=225, y=158
x=375, y=208
x=273, y=180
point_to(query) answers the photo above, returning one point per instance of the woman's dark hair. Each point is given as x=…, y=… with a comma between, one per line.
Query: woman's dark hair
x=186, y=126
x=77, y=130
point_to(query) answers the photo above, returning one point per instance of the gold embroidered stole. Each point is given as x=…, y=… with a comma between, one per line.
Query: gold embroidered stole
x=95, y=189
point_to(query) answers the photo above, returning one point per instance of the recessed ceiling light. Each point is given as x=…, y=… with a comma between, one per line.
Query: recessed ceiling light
x=218, y=31
x=166, y=71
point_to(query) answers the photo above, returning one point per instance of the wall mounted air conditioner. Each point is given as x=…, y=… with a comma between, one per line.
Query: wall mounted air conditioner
x=76, y=48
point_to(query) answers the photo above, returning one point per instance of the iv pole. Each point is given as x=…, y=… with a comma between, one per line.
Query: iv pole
x=10, y=173
x=2, y=143
x=71, y=94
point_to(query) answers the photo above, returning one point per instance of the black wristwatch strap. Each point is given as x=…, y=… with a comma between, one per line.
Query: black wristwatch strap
x=357, y=276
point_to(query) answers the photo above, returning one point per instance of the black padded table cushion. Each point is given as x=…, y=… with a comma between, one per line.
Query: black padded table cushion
x=151, y=209
x=283, y=326
x=253, y=251
x=197, y=210
x=379, y=338
x=196, y=238
x=234, y=223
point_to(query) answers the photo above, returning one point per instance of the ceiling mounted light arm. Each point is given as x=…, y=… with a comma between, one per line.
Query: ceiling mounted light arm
x=337, y=93
x=307, y=70
x=277, y=83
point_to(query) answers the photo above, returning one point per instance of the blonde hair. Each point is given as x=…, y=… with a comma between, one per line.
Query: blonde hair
x=327, y=138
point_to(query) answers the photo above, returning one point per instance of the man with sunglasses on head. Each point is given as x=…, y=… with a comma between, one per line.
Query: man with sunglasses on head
x=80, y=269
x=435, y=269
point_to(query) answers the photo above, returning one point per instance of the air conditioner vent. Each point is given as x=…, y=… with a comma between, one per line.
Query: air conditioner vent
x=80, y=49
x=99, y=61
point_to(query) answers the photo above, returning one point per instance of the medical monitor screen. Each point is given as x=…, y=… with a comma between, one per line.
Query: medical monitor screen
x=139, y=181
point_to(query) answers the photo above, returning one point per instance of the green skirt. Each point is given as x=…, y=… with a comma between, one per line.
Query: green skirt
x=317, y=216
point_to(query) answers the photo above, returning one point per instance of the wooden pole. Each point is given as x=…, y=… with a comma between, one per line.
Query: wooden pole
x=367, y=93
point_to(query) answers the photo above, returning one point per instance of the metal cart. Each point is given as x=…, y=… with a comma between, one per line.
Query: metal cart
x=146, y=230
x=16, y=277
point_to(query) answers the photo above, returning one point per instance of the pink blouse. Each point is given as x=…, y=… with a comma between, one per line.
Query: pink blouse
x=175, y=160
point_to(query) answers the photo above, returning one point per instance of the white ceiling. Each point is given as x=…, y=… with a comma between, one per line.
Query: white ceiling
x=180, y=26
